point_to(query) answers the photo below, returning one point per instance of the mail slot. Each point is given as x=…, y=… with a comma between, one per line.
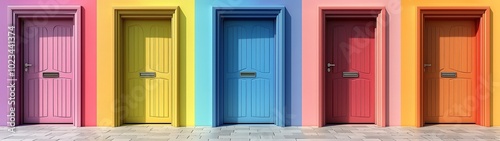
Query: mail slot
x=449, y=74
x=147, y=74
x=248, y=74
x=50, y=75
x=350, y=74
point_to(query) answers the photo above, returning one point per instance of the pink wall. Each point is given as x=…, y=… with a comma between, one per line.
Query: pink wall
x=310, y=53
x=88, y=54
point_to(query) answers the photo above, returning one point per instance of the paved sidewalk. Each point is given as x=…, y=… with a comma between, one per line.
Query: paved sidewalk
x=251, y=133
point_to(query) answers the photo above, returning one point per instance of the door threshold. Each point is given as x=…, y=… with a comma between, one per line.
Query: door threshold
x=450, y=124
x=237, y=125
x=350, y=124
x=147, y=124
x=46, y=124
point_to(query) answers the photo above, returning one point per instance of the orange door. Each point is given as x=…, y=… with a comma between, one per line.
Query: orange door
x=449, y=71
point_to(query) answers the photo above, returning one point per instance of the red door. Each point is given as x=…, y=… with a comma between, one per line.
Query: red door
x=349, y=57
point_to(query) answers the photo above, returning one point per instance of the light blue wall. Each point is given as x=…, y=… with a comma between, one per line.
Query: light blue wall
x=204, y=62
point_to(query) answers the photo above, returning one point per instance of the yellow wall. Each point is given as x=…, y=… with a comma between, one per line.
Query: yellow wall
x=408, y=56
x=106, y=62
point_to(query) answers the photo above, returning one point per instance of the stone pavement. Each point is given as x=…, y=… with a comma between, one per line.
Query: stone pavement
x=147, y=132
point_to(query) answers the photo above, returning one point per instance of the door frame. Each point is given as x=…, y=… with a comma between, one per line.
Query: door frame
x=17, y=13
x=482, y=14
x=379, y=13
x=122, y=13
x=276, y=13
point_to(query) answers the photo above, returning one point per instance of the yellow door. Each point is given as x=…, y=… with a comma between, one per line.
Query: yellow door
x=149, y=62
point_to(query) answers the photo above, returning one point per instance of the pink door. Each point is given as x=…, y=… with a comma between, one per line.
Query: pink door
x=48, y=73
x=349, y=82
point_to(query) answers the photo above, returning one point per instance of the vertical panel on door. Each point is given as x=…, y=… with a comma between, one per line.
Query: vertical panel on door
x=148, y=69
x=449, y=46
x=350, y=46
x=48, y=47
x=249, y=71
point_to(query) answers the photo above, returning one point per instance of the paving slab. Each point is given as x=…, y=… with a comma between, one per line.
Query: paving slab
x=251, y=133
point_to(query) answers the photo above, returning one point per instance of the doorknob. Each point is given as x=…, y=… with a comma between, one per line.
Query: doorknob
x=26, y=66
x=328, y=65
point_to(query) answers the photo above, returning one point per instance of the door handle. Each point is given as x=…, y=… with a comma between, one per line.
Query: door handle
x=427, y=65
x=26, y=66
x=328, y=65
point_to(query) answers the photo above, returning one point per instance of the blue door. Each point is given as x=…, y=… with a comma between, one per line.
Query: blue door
x=248, y=71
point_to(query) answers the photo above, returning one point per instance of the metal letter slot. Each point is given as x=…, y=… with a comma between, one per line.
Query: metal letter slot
x=248, y=74
x=50, y=75
x=350, y=74
x=449, y=74
x=147, y=74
